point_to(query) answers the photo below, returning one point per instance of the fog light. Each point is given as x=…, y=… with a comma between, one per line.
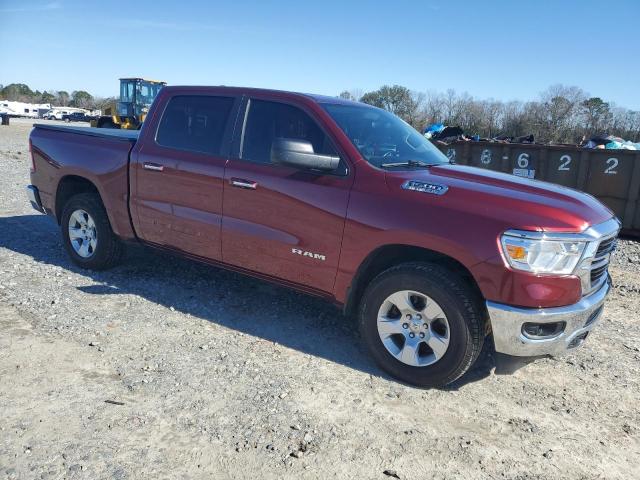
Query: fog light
x=543, y=330
x=579, y=340
x=594, y=316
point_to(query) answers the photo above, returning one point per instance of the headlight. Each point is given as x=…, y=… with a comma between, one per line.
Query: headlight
x=541, y=255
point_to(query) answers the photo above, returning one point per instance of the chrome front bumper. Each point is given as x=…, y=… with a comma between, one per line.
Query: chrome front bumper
x=509, y=337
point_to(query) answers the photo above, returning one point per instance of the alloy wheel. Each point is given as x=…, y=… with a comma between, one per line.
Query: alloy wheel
x=413, y=328
x=82, y=233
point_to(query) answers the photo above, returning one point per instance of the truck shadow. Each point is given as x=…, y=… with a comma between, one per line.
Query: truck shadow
x=235, y=301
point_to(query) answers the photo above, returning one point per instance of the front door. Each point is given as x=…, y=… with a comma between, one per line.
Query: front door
x=177, y=175
x=278, y=220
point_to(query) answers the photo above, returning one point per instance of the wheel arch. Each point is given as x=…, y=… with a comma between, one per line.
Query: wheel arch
x=387, y=256
x=71, y=185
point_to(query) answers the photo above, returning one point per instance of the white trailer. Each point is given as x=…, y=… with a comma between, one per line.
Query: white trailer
x=22, y=109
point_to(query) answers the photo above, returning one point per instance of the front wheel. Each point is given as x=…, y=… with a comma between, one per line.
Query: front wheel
x=107, y=123
x=422, y=324
x=87, y=234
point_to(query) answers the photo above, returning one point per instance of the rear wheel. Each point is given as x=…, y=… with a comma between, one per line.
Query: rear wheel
x=422, y=324
x=87, y=234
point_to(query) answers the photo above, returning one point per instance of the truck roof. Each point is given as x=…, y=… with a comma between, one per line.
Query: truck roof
x=249, y=90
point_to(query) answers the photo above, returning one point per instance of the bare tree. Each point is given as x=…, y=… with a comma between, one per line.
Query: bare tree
x=433, y=107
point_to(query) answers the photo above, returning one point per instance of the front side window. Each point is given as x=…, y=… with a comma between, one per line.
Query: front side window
x=382, y=138
x=268, y=121
x=195, y=123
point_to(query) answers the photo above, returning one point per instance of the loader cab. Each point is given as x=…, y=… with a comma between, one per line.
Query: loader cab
x=136, y=96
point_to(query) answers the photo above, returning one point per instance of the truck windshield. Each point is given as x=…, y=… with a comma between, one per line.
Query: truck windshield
x=382, y=138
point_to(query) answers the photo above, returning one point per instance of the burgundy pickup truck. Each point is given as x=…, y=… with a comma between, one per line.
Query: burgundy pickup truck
x=344, y=201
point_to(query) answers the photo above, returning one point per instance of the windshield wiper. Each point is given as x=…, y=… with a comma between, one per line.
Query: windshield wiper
x=408, y=163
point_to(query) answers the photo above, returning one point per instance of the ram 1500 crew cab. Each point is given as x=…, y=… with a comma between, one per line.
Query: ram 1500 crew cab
x=344, y=201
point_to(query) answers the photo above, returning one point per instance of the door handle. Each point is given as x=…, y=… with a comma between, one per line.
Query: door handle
x=242, y=183
x=153, y=166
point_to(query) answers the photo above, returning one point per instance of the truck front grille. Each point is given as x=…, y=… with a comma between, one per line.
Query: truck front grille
x=606, y=246
x=600, y=262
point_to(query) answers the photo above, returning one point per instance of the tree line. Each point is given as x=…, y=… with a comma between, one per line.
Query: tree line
x=19, y=92
x=561, y=114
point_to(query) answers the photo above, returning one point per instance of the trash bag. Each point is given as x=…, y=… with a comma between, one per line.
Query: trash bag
x=524, y=139
x=622, y=145
x=507, y=139
x=599, y=141
x=434, y=128
x=448, y=134
x=610, y=142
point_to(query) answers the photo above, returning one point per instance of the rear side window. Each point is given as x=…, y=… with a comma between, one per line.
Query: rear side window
x=268, y=121
x=194, y=123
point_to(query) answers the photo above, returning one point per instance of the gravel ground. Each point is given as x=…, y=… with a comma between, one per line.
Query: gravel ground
x=164, y=368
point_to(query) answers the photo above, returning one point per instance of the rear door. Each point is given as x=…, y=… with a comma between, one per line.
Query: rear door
x=278, y=220
x=178, y=171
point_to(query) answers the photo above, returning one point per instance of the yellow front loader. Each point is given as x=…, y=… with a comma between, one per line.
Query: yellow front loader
x=136, y=96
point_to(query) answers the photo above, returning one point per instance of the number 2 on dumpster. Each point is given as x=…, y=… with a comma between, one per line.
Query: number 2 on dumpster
x=565, y=161
x=612, y=163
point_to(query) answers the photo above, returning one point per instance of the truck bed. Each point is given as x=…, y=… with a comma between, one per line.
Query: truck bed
x=64, y=154
x=110, y=133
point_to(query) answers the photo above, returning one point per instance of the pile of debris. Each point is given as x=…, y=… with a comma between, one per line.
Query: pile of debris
x=610, y=142
x=440, y=133
x=444, y=135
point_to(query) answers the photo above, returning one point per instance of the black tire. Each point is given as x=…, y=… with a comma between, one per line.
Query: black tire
x=107, y=123
x=109, y=249
x=460, y=304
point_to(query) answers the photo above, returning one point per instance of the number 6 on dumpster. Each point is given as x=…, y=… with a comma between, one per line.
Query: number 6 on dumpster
x=523, y=160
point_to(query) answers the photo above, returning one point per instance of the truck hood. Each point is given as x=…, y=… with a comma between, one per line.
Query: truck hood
x=513, y=201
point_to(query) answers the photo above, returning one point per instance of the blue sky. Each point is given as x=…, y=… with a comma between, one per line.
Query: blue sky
x=501, y=49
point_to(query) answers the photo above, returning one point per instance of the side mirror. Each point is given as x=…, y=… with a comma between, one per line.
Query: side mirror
x=299, y=153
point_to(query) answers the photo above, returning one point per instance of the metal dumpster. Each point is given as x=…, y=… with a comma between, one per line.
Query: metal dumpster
x=612, y=176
